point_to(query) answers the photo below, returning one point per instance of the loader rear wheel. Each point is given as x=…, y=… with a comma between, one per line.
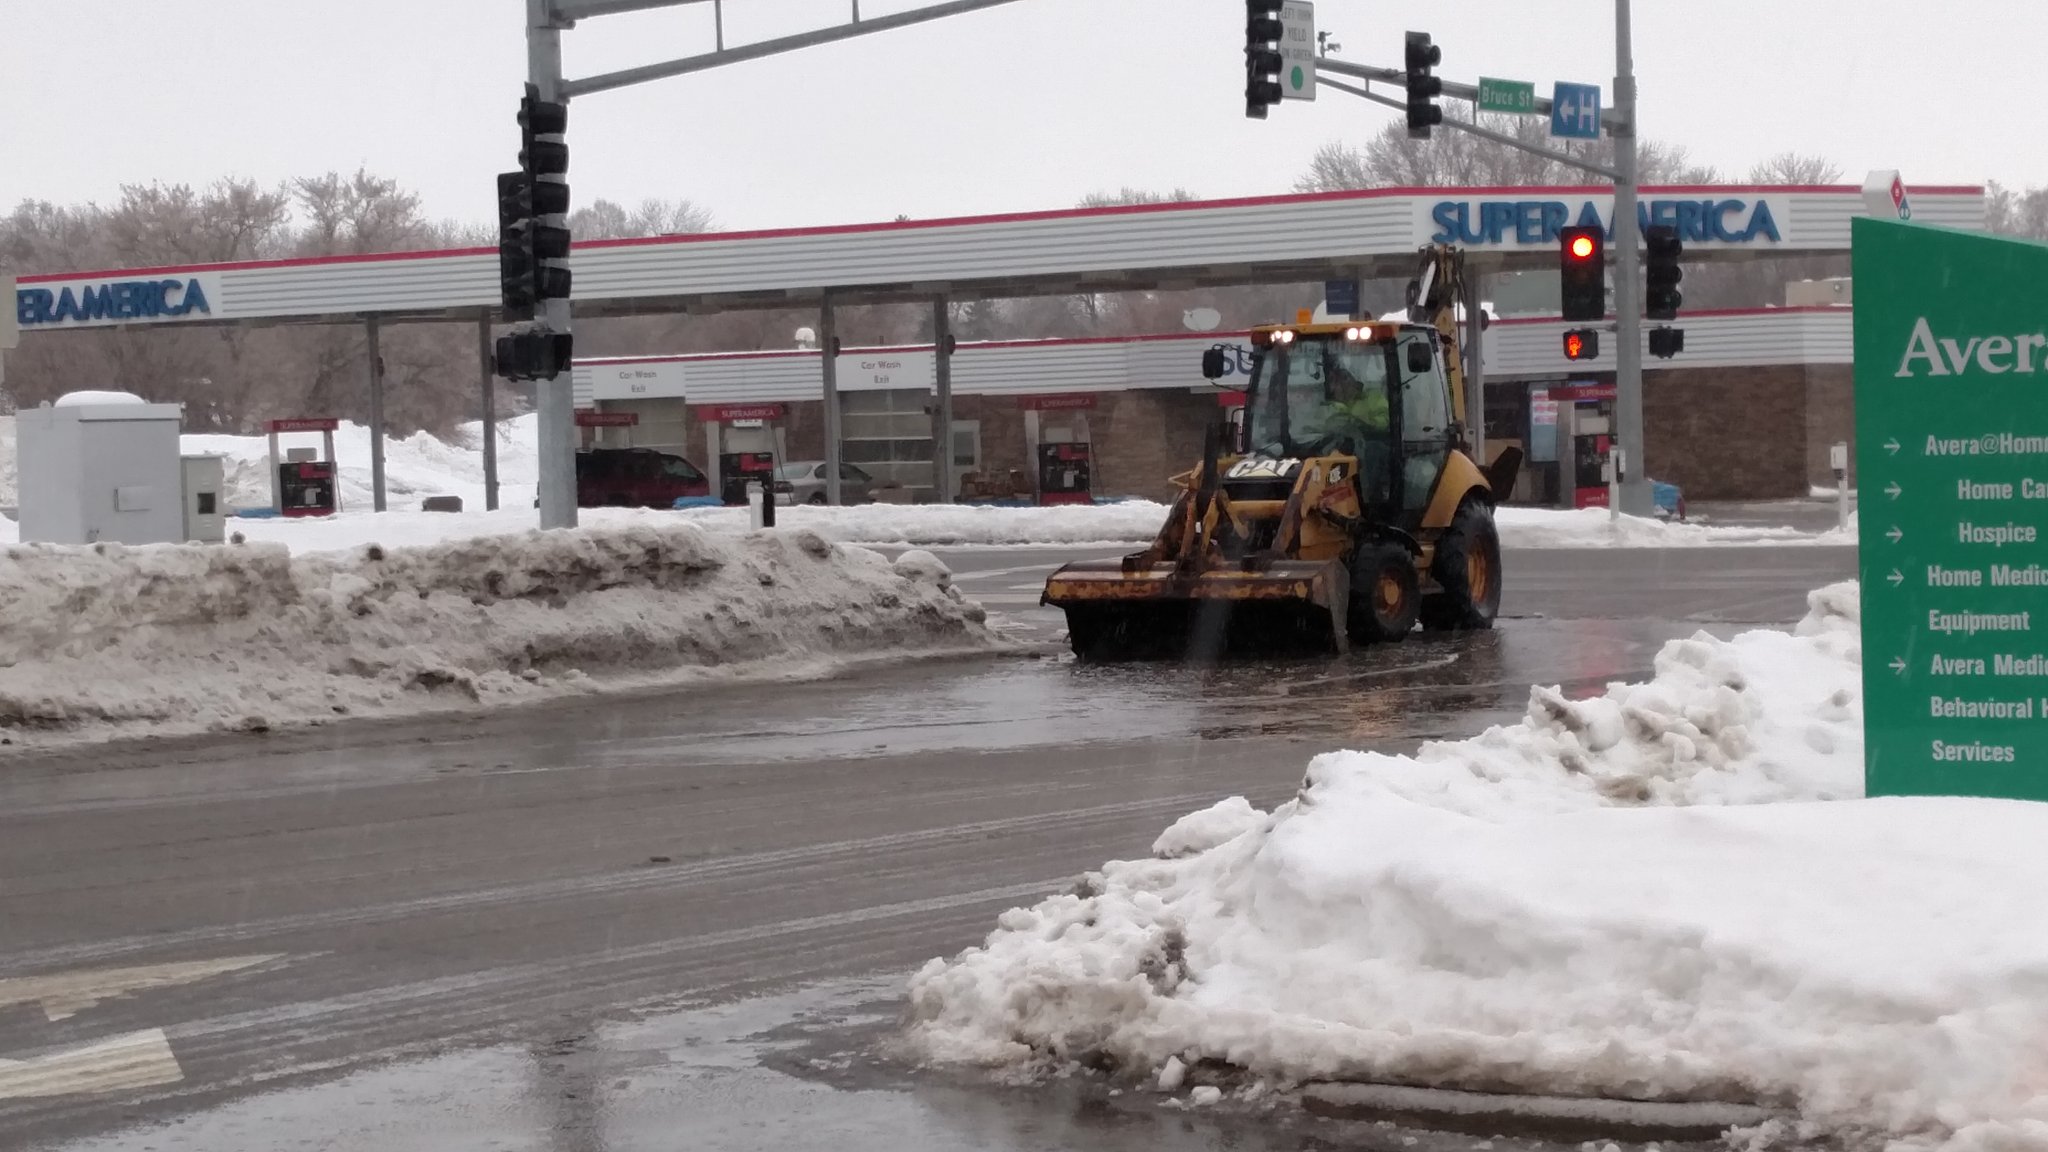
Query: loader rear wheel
x=1468, y=568
x=1385, y=596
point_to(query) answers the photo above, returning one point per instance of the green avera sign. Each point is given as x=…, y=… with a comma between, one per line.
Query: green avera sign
x=1952, y=466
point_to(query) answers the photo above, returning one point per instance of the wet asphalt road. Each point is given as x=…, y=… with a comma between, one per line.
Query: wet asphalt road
x=679, y=920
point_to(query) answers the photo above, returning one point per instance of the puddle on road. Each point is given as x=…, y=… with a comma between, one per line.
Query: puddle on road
x=809, y=1069
x=1425, y=688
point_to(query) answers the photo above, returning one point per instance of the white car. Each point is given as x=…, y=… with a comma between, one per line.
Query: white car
x=803, y=482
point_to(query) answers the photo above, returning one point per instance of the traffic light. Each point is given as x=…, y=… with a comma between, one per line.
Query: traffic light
x=1261, y=57
x=1661, y=274
x=1582, y=272
x=545, y=162
x=516, y=288
x=532, y=354
x=1423, y=88
x=1581, y=344
x=1666, y=342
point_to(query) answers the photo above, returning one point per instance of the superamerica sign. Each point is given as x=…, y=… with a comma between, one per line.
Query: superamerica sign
x=1724, y=220
x=112, y=301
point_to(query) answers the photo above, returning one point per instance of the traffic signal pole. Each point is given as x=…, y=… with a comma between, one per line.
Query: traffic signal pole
x=533, y=251
x=554, y=396
x=1620, y=121
x=1636, y=498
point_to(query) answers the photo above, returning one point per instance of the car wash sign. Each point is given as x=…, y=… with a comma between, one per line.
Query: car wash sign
x=1952, y=463
x=1708, y=221
x=130, y=299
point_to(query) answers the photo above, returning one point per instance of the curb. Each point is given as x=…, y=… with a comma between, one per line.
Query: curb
x=1572, y=1118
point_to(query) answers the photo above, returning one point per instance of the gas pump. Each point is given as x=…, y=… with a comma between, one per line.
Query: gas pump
x=1062, y=452
x=1063, y=473
x=1585, y=443
x=736, y=470
x=743, y=443
x=301, y=483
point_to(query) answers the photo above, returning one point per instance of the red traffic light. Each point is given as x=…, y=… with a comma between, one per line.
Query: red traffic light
x=1574, y=345
x=1581, y=247
x=1581, y=344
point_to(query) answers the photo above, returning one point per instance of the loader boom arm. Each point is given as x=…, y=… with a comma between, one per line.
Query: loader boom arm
x=1434, y=296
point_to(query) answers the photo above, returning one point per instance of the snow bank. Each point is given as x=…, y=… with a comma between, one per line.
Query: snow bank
x=415, y=467
x=940, y=526
x=105, y=639
x=1639, y=895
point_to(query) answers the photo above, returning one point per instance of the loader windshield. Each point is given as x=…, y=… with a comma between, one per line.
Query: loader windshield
x=1317, y=396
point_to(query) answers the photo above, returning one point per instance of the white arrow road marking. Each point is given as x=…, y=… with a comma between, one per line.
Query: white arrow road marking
x=65, y=994
x=122, y=1063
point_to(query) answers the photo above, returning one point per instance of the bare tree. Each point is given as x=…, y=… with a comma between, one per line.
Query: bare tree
x=1450, y=158
x=359, y=213
x=2016, y=213
x=1795, y=168
x=609, y=220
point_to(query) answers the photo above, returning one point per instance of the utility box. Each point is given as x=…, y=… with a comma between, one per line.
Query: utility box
x=205, y=488
x=100, y=466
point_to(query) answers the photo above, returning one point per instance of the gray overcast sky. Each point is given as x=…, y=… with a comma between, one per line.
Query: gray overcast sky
x=1028, y=105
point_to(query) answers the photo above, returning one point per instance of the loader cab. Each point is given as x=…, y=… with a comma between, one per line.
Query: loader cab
x=1375, y=392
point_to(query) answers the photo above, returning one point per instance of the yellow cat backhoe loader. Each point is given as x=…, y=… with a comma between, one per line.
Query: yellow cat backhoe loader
x=1348, y=510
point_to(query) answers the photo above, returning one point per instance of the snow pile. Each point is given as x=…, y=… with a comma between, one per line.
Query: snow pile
x=931, y=526
x=415, y=467
x=1130, y=521
x=1640, y=895
x=1594, y=528
x=107, y=639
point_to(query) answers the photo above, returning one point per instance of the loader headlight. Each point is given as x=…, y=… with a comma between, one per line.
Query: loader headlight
x=1284, y=336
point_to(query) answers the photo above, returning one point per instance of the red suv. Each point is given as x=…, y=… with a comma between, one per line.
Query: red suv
x=635, y=478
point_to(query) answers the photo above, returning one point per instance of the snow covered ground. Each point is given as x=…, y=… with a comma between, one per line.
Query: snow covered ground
x=1671, y=891
x=930, y=526
x=415, y=467
x=1594, y=528
x=106, y=640
x=420, y=466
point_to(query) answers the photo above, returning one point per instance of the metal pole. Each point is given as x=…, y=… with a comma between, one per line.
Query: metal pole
x=1628, y=312
x=489, y=374
x=718, y=23
x=828, y=362
x=1475, y=372
x=376, y=418
x=554, y=397
x=942, y=378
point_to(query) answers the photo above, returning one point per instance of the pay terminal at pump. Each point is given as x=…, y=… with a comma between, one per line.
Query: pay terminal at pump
x=737, y=469
x=1585, y=443
x=303, y=483
x=1063, y=474
x=1062, y=451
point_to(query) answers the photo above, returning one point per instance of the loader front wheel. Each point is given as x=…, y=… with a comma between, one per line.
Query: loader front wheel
x=1468, y=569
x=1384, y=594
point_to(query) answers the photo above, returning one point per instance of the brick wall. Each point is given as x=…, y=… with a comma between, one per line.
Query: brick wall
x=1830, y=418
x=1143, y=438
x=1728, y=434
x=1002, y=431
x=1720, y=434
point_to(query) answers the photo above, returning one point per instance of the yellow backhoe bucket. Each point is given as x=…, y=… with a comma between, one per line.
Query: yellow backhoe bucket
x=1118, y=609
